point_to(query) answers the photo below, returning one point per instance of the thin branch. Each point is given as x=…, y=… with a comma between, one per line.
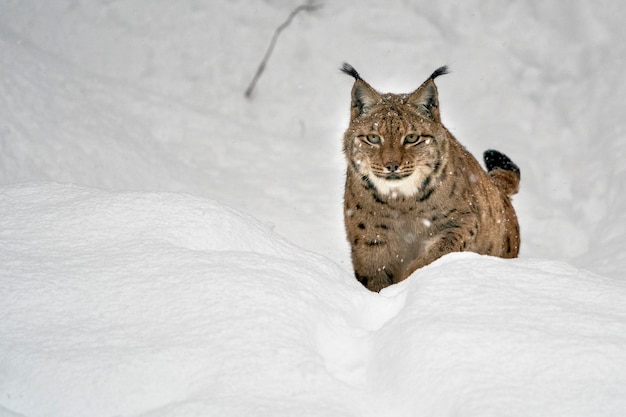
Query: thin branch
x=305, y=7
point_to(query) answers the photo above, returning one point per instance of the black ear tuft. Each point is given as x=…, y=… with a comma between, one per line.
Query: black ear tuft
x=439, y=71
x=349, y=69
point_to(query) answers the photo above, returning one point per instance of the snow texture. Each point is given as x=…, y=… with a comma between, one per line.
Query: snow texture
x=170, y=248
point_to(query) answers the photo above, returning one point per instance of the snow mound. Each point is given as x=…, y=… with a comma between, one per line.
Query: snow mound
x=149, y=298
x=158, y=304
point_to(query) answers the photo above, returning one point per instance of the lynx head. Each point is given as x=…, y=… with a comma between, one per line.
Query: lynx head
x=394, y=141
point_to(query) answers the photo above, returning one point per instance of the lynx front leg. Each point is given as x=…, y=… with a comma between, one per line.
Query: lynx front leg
x=374, y=278
x=374, y=282
x=373, y=269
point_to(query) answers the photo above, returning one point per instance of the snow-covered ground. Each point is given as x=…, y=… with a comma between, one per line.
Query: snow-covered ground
x=171, y=248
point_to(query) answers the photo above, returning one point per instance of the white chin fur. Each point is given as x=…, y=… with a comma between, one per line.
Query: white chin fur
x=403, y=187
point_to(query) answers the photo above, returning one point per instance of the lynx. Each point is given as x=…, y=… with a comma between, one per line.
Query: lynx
x=413, y=193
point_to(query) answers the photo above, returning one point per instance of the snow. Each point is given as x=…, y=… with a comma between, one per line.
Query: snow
x=170, y=248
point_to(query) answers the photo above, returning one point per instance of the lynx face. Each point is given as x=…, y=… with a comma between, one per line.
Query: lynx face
x=394, y=147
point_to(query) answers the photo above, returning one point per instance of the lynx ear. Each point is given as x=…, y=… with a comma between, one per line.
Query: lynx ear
x=364, y=97
x=426, y=98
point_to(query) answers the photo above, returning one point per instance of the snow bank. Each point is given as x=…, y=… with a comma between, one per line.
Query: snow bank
x=489, y=337
x=168, y=304
x=130, y=303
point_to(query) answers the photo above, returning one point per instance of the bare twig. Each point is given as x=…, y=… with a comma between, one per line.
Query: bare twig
x=309, y=7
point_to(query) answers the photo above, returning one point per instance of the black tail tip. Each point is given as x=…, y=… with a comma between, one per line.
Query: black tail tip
x=498, y=160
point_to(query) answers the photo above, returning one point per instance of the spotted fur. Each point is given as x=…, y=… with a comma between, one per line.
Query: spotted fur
x=413, y=193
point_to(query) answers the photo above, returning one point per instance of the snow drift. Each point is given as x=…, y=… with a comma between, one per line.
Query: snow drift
x=169, y=248
x=167, y=304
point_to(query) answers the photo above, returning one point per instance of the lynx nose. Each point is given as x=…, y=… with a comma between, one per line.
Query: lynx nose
x=392, y=166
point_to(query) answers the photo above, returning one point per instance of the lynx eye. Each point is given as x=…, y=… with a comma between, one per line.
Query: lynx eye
x=373, y=139
x=411, y=139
